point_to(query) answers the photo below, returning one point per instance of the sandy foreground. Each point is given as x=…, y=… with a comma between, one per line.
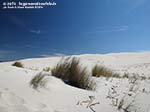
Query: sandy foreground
x=16, y=94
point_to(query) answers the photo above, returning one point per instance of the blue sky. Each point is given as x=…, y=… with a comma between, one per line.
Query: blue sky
x=75, y=27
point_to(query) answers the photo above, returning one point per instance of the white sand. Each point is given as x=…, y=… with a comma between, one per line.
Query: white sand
x=16, y=95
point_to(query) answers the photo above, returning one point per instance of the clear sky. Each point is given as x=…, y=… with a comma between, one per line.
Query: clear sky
x=75, y=27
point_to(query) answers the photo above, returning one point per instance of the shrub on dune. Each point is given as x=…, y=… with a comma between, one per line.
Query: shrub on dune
x=98, y=71
x=47, y=69
x=17, y=64
x=125, y=75
x=61, y=69
x=70, y=71
x=38, y=80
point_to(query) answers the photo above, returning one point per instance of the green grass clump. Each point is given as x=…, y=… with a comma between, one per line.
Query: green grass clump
x=102, y=71
x=38, y=81
x=99, y=71
x=70, y=71
x=47, y=69
x=125, y=75
x=17, y=64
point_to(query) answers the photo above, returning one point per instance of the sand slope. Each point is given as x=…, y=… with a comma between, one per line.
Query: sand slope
x=16, y=95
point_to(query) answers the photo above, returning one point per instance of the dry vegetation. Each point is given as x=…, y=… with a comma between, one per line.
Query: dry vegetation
x=102, y=71
x=70, y=71
x=47, y=69
x=17, y=64
x=38, y=81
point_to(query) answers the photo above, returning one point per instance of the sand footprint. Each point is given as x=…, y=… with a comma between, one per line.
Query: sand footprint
x=3, y=108
x=2, y=99
x=10, y=102
x=13, y=99
x=43, y=108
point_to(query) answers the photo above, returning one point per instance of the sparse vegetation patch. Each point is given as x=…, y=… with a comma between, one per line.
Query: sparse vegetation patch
x=38, y=80
x=102, y=71
x=70, y=71
x=18, y=64
x=125, y=75
x=47, y=69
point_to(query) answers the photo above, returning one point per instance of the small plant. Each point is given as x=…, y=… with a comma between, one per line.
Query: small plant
x=143, y=78
x=90, y=103
x=127, y=103
x=113, y=95
x=38, y=81
x=61, y=69
x=121, y=103
x=130, y=107
x=70, y=71
x=17, y=64
x=116, y=75
x=99, y=71
x=47, y=69
x=125, y=75
x=134, y=79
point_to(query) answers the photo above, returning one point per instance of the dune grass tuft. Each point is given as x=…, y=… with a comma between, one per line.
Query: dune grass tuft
x=47, y=69
x=18, y=64
x=70, y=71
x=38, y=80
x=102, y=71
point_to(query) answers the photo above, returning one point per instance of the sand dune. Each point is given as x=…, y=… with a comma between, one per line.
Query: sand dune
x=16, y=95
